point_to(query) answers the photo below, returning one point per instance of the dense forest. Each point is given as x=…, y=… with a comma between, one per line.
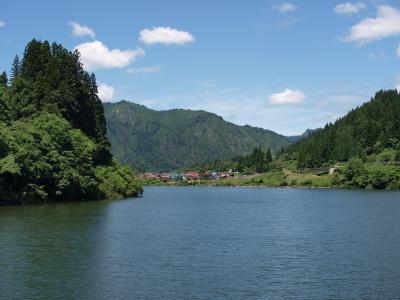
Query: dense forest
x=364, y=131
x=169, y=140
x=258, y=161
x=53, y=136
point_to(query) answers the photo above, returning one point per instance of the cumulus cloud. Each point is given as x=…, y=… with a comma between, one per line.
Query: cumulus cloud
x=2, y=24
x=81, y=30
x=106, y=92
x=288, y=96
x=385, y=24
x=153, y=69
x=286, y=7
x=165, y=35
x=95, y=55
x=349, y=8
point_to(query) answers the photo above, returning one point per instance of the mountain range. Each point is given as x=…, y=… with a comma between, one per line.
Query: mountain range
x=171, y=139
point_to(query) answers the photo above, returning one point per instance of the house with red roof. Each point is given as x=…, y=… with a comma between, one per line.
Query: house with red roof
x=192, y=175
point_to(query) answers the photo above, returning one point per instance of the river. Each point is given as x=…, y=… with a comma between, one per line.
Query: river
x=205, y=243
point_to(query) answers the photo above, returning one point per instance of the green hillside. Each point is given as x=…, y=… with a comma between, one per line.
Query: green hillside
x=365, y=131
x=172, y=139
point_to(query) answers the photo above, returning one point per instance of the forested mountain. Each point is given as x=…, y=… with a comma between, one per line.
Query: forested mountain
x=363, y=131
x=172, y=139
x=258, y=161
x=53, y=136
x=295, y=138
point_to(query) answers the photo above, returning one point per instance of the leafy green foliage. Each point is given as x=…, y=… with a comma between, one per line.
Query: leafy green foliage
x=46, y=158
x=117, y=182
x=354, y=169
x=369, y=176
x=170, y=140
x=53, y=142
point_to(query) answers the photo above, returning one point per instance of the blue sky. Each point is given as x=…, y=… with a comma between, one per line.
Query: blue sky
x=281, y=65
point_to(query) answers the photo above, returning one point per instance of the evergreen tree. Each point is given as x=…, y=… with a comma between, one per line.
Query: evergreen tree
x=15, y=68
x=52, y=79
x=3, y=79
x=268, y=155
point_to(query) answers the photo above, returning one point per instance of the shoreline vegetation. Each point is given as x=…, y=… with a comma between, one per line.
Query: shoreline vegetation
x=354, y=174
x=263, y=180
x=53, y=135
x=276, y=179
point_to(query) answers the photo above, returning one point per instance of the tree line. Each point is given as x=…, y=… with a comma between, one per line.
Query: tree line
x=53, y=134
x=258, y=161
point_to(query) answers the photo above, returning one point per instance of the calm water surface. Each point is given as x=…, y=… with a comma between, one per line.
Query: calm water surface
x=205, y=243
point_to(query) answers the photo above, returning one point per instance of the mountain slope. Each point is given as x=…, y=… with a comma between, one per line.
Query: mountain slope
x=168, y=140
x=296, y=138
x=363, y=131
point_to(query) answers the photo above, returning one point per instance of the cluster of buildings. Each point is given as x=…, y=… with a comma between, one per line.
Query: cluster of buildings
x=191, y=175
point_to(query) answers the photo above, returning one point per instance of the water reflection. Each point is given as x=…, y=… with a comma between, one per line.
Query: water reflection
x=50, y=250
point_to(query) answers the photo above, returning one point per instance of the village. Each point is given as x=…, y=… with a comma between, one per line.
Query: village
x=189, y=176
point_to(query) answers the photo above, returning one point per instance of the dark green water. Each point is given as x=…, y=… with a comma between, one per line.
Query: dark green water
x=205, y=243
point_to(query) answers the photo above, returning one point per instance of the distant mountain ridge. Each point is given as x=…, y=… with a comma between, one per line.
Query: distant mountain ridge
x=168, y=140
x=308, y=132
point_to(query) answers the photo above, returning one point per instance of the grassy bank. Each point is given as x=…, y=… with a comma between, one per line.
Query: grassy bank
x=269, y=179
x=353, y=174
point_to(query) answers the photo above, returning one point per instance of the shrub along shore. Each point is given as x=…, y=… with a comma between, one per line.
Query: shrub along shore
x=351, y=175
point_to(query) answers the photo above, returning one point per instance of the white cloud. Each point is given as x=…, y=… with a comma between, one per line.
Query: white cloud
x=288, y=96
x=106, y=92
x=153, y=69
x=165, y=35
x=386, y=24
x=95, y=55
x=287, y=7
x=349, y=8
x=2, y=24
x=81, y=30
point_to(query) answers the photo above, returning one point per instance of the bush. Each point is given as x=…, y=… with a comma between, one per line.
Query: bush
x=382, y=180
x=354, y=169
x=307, y=182
x=337, y=179
x=276, y=165
x=45, y=159
x=116, y=182
x=397, y=156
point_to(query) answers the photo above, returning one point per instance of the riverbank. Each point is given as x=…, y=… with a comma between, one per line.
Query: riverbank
x=270, y=179
x=349, y=176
